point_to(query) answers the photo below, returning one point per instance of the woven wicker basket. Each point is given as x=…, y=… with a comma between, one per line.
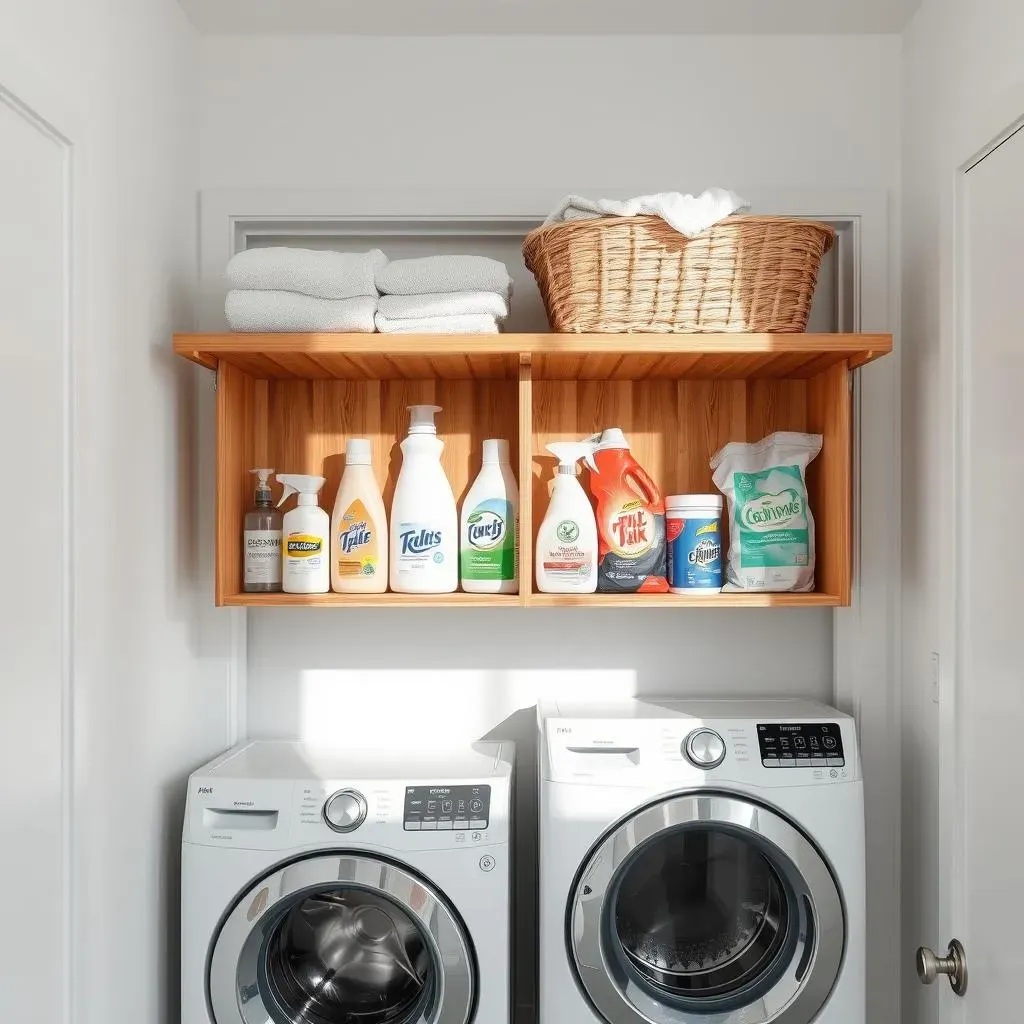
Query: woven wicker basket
x=637, y=274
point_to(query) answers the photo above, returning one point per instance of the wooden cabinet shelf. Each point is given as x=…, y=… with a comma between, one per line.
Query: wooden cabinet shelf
x=292, y=400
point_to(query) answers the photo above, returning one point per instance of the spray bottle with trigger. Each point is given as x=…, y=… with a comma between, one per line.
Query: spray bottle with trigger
x=566, y=557
x=305, y=548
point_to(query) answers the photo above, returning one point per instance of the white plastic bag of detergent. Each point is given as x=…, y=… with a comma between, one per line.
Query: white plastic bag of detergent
x=771, y=529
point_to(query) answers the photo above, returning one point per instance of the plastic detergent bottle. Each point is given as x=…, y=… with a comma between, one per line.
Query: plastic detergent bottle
x=566, y=556
x=306, y=542
x=261, y=540
x=424, y=524
x=488, y=541
x=630, y=520
x=359, y=527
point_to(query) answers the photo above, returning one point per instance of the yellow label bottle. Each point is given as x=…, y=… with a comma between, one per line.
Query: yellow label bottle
x=359, y=527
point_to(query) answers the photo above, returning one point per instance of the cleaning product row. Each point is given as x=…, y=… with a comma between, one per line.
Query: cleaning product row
x=353, y=551
x=279, y=288
x=626, y=538
x=613, y=541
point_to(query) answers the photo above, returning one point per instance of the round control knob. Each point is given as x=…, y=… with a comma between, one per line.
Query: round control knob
x=704, y=748
x=345, y=811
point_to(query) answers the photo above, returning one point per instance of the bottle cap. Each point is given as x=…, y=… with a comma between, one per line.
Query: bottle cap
x=495, y=450
x=613, y=437
x=421, y=419
x=358, y=452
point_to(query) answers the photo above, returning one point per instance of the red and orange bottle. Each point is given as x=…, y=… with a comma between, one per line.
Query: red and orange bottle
x=631, y=542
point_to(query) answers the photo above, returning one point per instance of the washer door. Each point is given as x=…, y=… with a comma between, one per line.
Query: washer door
x=706, y=908
x=341, y=939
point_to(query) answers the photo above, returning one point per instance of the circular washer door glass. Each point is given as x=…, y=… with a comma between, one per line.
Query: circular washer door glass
x=701, y=916
x=346, y=956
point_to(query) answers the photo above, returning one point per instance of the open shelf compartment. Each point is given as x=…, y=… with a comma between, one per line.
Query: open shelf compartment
x=292, y=401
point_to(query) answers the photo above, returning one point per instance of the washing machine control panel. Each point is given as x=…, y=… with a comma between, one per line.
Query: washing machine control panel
x=446, y=808
x=803, y=745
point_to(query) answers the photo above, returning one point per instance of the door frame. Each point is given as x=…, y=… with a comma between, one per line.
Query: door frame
x=992, y=128
x=46, y=109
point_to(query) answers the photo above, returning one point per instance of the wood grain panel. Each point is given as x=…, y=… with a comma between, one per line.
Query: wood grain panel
x=829, y=480
x=711, y=414
x=236, y=401
x=555, y=356
x=524, y=476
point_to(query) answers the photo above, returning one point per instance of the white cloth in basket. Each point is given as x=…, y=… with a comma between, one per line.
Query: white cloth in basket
x=689, y=215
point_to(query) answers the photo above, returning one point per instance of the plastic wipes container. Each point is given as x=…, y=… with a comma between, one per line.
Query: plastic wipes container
x=694, y=528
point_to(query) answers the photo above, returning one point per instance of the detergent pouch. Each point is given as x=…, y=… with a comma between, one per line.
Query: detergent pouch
x=771, y=529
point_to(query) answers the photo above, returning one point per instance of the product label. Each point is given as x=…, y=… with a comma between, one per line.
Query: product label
x=630, y=530
x=489, y=548
x=304, y=554
x=262, y=556
x=632, y=549
x=695, y=553
x=419, y=547
x=357, y=553
x=771, y=517
x=566, y=561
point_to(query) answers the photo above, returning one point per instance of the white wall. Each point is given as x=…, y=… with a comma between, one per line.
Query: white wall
x=768, y=112
x=148, y=699
x=402, y=115
x=962, y=86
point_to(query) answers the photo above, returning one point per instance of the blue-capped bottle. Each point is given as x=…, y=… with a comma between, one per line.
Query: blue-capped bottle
x=424, y=523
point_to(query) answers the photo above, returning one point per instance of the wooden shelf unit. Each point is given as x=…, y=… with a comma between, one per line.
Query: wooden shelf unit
x=292, y=400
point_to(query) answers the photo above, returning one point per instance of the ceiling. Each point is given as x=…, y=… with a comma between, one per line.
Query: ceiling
x=544, y=17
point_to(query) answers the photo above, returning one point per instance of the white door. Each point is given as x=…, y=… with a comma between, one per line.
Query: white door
x=981, y=902
x=32, y=619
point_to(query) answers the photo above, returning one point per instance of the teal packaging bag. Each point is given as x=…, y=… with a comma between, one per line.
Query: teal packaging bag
x=771, y=527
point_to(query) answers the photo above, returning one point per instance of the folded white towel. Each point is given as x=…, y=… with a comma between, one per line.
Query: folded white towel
x=409, y=307
x=444, y=274
x=470, y=323
x=289, y=311
x=319, y=272
x=689, y=215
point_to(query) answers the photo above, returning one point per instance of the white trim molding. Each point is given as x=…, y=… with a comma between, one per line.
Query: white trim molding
x=23, y=94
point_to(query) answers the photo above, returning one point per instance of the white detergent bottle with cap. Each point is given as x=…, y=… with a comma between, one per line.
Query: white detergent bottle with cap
x=566, y=555
x=306, y=544
x=488, y=548
x=424, y=522
x=359, y=526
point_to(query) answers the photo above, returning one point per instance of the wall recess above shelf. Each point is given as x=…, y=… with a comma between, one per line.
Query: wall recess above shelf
x=292, y=400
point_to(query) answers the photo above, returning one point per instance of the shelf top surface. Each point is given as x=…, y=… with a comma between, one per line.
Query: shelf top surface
x=550, y=356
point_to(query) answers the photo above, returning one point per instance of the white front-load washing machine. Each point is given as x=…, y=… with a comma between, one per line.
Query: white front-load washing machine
x=701, y=862
x=325, y=887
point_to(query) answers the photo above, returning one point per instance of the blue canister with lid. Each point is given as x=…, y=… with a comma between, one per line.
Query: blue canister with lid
x=694, y=526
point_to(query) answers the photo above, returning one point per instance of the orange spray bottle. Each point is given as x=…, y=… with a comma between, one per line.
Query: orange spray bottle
x=631, y=542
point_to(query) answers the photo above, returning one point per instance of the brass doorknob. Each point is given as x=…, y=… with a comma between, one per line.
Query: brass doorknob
x=953, y=965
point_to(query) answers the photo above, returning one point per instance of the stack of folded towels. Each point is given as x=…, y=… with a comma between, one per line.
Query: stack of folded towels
x=443, y=295
x=284, y=289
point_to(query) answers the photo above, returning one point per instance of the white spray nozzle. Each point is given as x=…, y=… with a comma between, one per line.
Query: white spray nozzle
x=569, y=453
x=421, y=418
x=306, y=487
